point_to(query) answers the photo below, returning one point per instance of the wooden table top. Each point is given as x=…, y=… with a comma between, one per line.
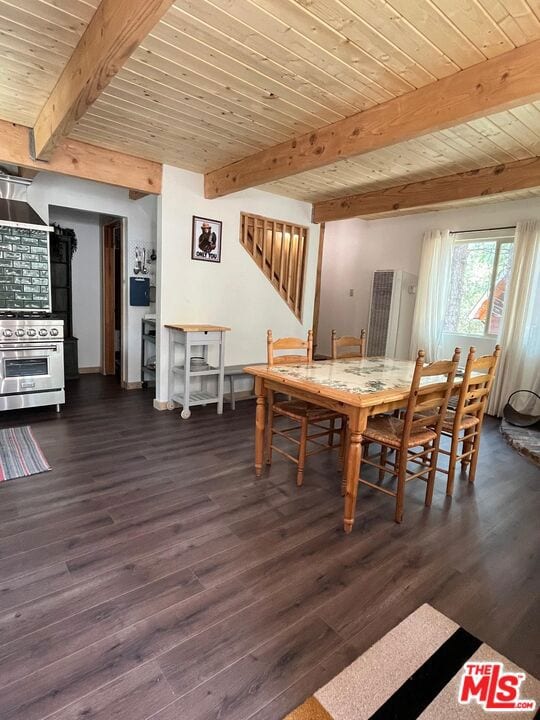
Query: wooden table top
x=361, y=382
x=196, y=328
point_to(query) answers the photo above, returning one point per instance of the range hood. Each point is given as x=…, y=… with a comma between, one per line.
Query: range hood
x=14, y=207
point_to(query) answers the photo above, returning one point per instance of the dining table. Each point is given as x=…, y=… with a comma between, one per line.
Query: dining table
x=357, y=388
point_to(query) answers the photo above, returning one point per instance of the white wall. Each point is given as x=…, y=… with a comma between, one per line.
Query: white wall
x=86, y=281
x=353, y=249
x=234, y=293
x=51, y=189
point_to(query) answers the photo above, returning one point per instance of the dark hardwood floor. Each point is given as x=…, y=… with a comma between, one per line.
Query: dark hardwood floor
x=150, y=575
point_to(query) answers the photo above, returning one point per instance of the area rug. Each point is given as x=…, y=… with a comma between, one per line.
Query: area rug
x=427, y=667
x=20, y=454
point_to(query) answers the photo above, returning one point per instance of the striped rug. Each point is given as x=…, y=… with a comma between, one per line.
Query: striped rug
x=427, y=667
x=20, y=455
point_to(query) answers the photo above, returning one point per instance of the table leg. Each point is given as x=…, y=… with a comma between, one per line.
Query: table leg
x=260, y=424
x=354, y=457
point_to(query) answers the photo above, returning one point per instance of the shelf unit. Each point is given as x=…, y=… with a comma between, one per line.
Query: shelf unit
x=148, y=348
x=200, y=338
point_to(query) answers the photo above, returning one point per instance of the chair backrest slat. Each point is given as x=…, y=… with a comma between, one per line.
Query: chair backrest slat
x=348, y=341
x=476, y=385
x=305, y=348
x=430, y=396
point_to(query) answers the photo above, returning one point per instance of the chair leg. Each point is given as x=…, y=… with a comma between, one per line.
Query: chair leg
x=331, y=431
x=452, y=464
x=474, y=459
x=302, y=452
x=382, y=461
x=400, y=495
x=396, y=464
x=269, y=427
x=467, y=446
x=432, y=474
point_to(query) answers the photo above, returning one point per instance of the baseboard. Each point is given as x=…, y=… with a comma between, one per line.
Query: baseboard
x=132, y=385
x=160, y=404
x=89, y=370
x=240, y=395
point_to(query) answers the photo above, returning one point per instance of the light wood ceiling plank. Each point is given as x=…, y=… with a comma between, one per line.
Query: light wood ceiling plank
x=165, y=109
x=338, y=17
x=57, y=24
x=305, y=26
x=145, y=68
x=427, y=19
x=18, y=36
x=476, y=25
x=279, y=62
x=229, y=87
x=380, y=19
x=474, y=144
x=508, y=147
x=216, y=62
x=513, y=126
x=515, y=18
x=164, y=131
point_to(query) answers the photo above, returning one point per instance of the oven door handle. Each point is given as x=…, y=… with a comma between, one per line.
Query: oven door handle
x=29, y=347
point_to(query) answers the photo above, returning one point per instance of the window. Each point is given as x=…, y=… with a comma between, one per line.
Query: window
x=481, y=265
x=279, y=249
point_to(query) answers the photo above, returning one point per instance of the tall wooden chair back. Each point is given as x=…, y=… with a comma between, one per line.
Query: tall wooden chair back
x=303, y=348
x=477, y=382
x=427, y=403
x=348, y=346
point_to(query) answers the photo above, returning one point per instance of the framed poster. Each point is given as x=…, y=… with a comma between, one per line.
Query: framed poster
x=206, y=240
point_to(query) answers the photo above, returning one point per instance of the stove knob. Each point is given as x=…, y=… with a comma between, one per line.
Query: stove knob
x=19, y=332
x=42, y=332
x=31, y=332
x=54, y=332
x=8, y=332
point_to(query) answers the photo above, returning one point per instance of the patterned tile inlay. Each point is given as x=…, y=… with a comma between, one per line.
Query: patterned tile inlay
x=368, y=375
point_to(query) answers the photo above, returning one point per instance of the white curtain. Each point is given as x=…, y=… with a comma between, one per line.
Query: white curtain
x=519, y=365
x=431, y=294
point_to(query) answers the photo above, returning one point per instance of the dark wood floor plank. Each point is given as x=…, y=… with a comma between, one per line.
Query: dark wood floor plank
x=71, y=634
x=24, y=619
x=134, y=696
x=24, y=589
x=248, y=684
x=63, y=682
x=87, y=613
x=182, y=518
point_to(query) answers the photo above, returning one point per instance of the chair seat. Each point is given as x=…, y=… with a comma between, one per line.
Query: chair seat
x=388, y=430
x=298, y=409
x=467, y=421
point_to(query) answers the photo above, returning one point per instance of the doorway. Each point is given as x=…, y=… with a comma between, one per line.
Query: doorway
x=113, y=236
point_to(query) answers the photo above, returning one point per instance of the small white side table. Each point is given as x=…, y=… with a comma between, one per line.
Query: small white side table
x=201, y=337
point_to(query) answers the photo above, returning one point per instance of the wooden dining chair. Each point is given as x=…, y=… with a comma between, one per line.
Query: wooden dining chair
x=468, y=415
x=303, y=414
x=348, y=342
x=420, y=428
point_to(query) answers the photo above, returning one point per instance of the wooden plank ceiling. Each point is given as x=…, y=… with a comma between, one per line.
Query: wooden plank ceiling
x=218, y=80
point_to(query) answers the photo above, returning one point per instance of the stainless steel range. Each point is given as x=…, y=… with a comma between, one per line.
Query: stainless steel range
x=31, y=362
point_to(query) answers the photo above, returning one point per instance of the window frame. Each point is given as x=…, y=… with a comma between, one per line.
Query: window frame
x=501, y=236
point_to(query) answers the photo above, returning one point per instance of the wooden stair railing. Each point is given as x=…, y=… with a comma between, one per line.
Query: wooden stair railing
x=278, y=249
